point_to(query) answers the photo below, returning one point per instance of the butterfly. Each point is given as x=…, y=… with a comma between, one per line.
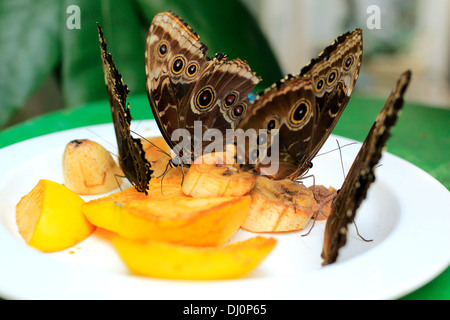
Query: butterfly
x=132, y=159
x=186, y=87
x=300, y=111
x=361, y=174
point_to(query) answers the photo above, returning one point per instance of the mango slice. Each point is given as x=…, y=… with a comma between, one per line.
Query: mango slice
x=182, y=220
x=49, y=217
x=159, y=188
x=168, y=185
x=170, y=261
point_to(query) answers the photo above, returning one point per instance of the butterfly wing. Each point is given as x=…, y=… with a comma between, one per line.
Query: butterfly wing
x=184, y=85
x=334, y=74
x=274, y=110
x=131, y=154
x=361, y=174
x=306, y=108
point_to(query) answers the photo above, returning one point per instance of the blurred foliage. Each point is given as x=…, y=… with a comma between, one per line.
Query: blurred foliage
x=398, y=20
x=36, y=42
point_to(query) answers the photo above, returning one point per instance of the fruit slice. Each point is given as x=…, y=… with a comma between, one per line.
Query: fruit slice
x=88, y=168
x=183, y=220
x=122, y=197
x=158, y=188
x=164, y=260
x=208, y=177
x=49, y=218
x=278, y=206
x=324, y=197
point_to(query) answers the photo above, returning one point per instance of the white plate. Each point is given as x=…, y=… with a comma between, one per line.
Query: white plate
x=406, y=215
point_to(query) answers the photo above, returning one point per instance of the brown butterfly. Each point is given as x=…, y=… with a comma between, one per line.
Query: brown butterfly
x=185, y=86
x=361, y=174
x=132, y=159
x=302, y=110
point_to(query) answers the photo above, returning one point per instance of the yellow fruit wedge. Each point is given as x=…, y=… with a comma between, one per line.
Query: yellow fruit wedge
x=122, y=197
x=209, y=178
x=158, y=188
x=183, y=220
x=49, y=217
x=279, y=206
x=89, y=169
x=170, y=261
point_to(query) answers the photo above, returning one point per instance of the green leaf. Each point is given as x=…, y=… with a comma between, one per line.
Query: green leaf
x=30, y=50
x=36, y=41
x=82, y=72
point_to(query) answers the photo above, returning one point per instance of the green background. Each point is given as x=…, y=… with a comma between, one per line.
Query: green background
x=36, y=43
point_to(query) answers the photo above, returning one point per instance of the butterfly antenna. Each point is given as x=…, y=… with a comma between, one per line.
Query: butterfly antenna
x=106, y=141
x=329, y=151
x=114, y=155
x=159, y=149
x=340, y=156
x=103, y=139
x=117, y=181
x=138, y=123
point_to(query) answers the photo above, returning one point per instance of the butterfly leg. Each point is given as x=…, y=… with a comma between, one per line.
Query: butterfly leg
x=182, y=171
x=343, y=172
x=313, y=185
x=117, y=181
x=359, y=235
x=166, y=171
x=154, y=145
x=312, y=226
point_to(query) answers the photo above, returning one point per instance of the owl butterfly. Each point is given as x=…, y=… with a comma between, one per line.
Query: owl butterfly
x=361, y=174
x=185, y=87
x=132, y=159
x=299, y=112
